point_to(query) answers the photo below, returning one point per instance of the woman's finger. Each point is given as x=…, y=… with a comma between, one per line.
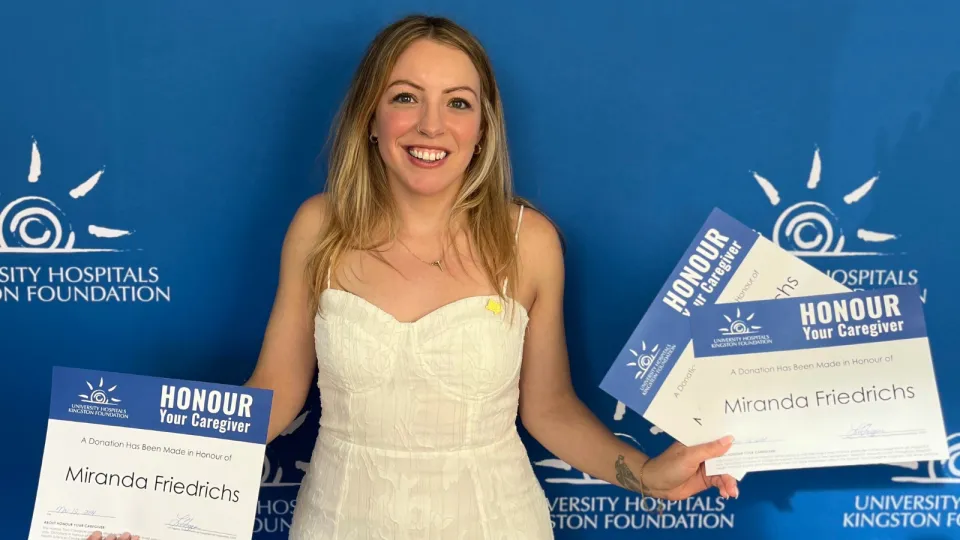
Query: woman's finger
x=726, y=489
x=731, y=484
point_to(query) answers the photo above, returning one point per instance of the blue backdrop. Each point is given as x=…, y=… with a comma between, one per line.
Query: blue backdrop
x=180, y=137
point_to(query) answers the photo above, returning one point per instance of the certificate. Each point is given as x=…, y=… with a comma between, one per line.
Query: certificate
x=838, y=379
x=162, y=458
x=656, y=374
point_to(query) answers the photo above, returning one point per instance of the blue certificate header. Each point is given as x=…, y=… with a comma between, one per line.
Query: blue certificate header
x=664, y=331
x=811, y=322
x=158, y=404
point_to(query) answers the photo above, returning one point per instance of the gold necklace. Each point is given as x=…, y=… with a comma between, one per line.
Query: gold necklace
x=438, y=263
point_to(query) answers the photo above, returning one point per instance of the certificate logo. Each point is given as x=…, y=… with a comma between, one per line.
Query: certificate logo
x=644, y=359
x=35, y=222
x=99, y=395
x=741, y=331
x=99, y=400
x=648, y=362
x=739, y=325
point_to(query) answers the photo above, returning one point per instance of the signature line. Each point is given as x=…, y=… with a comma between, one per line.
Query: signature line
x=883, y=434
x=191, y=528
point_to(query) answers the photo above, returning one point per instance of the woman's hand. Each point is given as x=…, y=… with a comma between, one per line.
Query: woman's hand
x=125, y=536
x=679, y=472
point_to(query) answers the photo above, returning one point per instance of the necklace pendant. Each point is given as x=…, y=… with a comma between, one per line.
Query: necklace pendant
x=438, y=264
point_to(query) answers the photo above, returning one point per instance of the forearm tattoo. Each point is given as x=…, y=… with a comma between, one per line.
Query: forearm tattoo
x=626, y=478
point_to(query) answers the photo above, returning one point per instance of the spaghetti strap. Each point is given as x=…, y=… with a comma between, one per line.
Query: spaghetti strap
x=516, y=234
x=516, y=238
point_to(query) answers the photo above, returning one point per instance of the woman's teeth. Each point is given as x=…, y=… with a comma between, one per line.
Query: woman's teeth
x=427, y=155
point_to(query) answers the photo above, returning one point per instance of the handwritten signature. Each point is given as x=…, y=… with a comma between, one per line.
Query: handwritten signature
x=183, y=522
x=864, y=430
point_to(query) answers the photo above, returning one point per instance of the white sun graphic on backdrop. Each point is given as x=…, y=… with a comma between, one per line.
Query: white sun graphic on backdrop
x=810, y=228
x=34, y=224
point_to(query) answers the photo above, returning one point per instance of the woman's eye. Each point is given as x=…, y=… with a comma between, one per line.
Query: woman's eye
x=460, y=103
x=403, y=98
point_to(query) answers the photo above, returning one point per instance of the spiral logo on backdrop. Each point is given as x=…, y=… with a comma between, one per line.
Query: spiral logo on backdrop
x=811, y=229
x=35, y=228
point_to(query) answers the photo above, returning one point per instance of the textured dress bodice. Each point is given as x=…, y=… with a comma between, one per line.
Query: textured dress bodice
x=418, y=436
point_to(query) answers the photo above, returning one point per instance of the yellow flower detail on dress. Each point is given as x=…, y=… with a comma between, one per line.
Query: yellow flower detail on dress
x=494, y=306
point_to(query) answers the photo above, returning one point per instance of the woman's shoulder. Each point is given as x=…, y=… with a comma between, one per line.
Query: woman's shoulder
x=540, y=243
x=534, y=227
x=315, y=207
x=309, y=221
x=312, y=214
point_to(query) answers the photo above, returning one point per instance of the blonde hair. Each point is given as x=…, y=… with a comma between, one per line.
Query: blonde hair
x=360, y=208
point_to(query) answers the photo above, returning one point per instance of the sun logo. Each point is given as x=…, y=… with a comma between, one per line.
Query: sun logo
x=644, y=359
x=99, y=395
x=35, y=224
x=739, y=326
x=810, y=228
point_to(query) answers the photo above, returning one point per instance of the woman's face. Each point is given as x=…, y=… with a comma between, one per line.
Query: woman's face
x=428, y=119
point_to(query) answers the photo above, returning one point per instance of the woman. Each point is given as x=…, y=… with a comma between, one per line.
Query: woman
x=417, y=284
